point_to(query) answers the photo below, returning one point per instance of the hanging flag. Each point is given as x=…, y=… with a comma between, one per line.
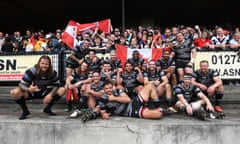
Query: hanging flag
x=70, y=33
x=123, y=53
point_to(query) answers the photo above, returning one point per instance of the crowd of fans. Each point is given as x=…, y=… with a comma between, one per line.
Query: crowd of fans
x=216, y=38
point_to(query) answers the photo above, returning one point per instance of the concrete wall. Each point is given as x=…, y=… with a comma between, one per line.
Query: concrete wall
x=119, y=130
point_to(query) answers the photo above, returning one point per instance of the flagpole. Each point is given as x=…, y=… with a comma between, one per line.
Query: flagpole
x=123, y=15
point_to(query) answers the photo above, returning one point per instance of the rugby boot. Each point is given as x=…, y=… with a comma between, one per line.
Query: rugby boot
x=218, y=109
x=219, y=115
x=76, y=113
x=87, y=115
x=200, y=114
x=49, y=112
x=69, y=107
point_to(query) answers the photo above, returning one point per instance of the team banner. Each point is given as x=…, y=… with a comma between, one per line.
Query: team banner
x=226, y=63
x=13, y=67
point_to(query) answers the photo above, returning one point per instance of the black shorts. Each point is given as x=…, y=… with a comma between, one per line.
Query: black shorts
x=131, y=92
x=39, y=95
x=138, y=106
x=181, y=65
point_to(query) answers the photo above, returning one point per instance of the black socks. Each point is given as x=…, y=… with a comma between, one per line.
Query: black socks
x=22, y=103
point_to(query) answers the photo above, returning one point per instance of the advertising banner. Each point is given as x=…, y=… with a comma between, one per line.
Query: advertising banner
x=226, y=63
x=13, y=67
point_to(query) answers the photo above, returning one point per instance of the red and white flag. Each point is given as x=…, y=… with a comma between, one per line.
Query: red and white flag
x=123, y=53
x=70, y=33
x=103, y=25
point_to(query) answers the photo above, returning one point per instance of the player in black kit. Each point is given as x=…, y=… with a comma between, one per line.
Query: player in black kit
x=183, y=53
x=136, y=60
x=210, y=83
x=74, y=84
x=115, y=102
x=168, y=66
x=191, y=99
x=39, y=81
x=130, y=80
x=76, y=57
x=160, y=81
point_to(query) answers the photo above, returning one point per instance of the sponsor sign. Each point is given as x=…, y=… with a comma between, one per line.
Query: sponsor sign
x=226, y=63
x=13, y=67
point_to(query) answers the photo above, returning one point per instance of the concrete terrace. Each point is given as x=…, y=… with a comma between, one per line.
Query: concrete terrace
x=174, y=129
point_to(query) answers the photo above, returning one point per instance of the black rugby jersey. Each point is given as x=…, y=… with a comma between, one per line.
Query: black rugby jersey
x=130, y=80
x=165, y=64
x=79, y=53
x=206, y=79
x=42, y=81
x=188, y=93
x=154, y=75
x=183, y=51
x=116, y=108
x=79, y=77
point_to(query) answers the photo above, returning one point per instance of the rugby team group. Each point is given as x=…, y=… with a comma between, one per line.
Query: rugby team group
x=96, y=87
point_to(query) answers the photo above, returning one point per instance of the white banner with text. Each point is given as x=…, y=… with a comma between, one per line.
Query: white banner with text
x=13, y=67
x=226, y=63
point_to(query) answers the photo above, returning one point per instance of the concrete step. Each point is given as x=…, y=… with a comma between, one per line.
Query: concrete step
x=231, y=98
x=229, y=92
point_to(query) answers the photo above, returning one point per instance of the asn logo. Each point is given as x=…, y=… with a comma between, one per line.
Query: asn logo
x=8, y=64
